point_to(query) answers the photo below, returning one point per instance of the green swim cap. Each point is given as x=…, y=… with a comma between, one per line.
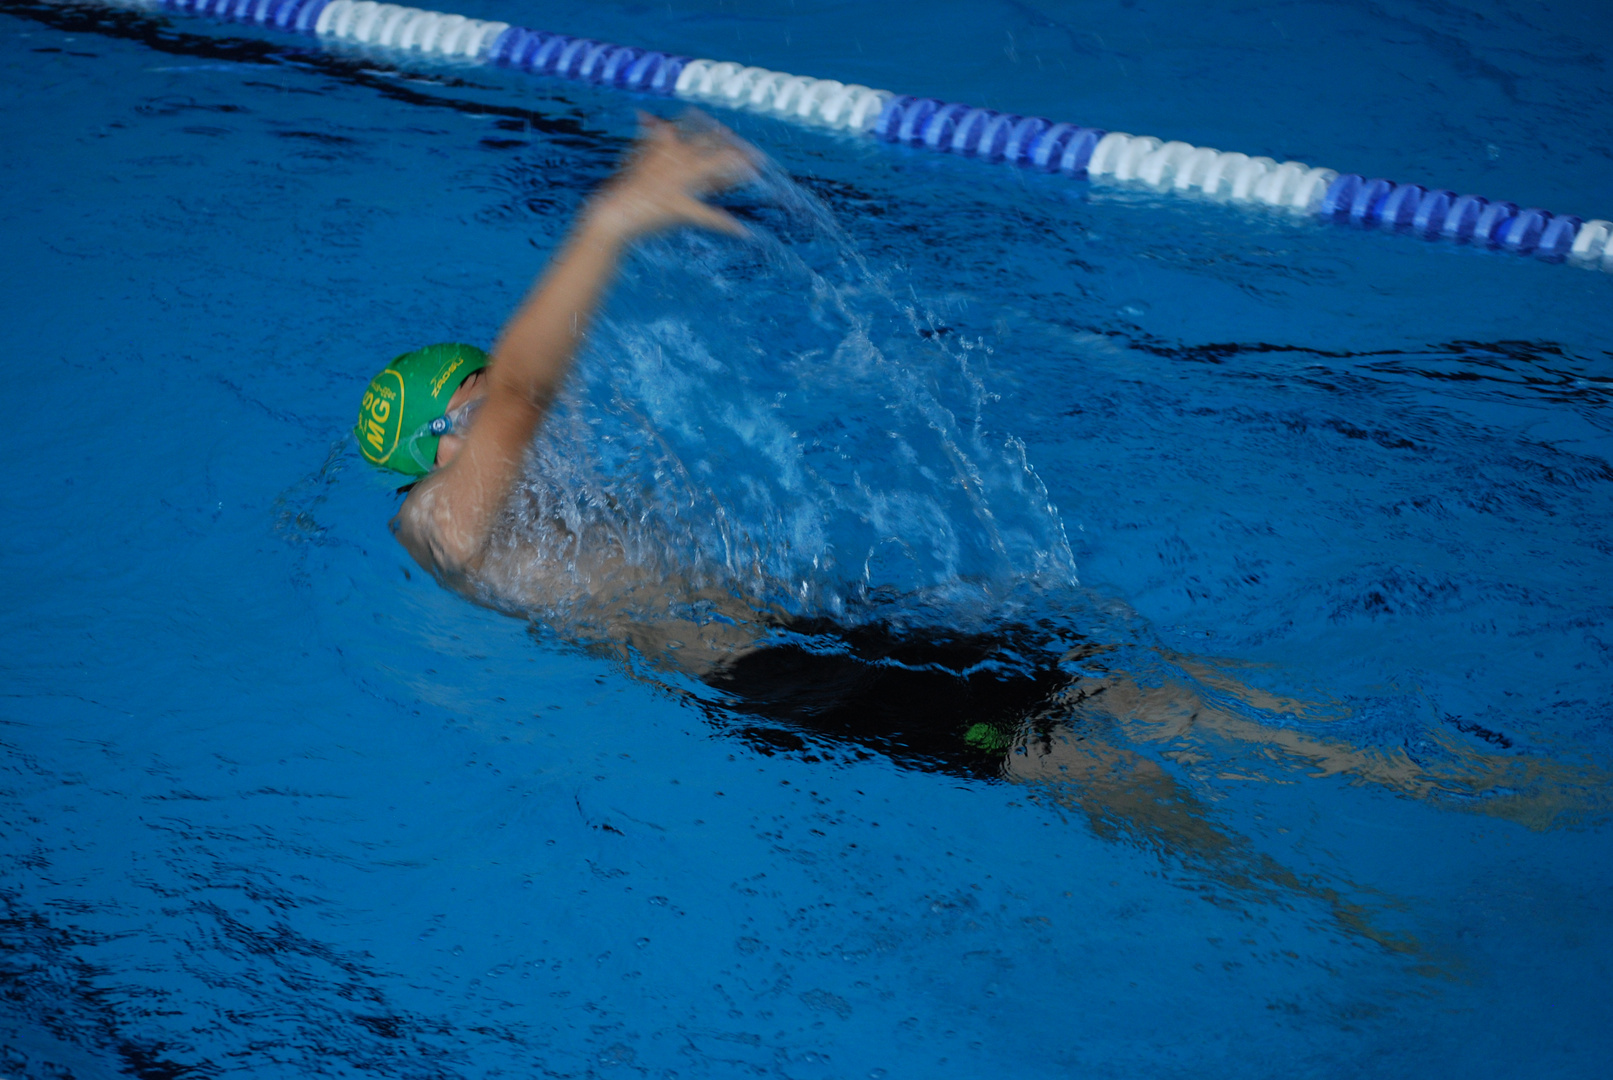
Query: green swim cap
x=394, y=422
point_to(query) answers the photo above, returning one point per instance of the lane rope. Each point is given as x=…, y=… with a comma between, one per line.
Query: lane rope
x=1102, y=157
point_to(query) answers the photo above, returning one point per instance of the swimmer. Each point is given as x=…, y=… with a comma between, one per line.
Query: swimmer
x=462, y=421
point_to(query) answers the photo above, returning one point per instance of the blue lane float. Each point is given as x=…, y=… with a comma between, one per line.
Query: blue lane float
x=1469, y=218
x=586, y=60
x=1035, y=142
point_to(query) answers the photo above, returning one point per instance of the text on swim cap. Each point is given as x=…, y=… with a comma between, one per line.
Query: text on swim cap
x=380, y=416
x=442, y=376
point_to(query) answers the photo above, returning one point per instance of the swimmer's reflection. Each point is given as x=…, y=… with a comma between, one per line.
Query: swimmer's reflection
x=1117, y=746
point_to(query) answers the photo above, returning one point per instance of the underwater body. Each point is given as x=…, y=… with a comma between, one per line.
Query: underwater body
x=1184, y=627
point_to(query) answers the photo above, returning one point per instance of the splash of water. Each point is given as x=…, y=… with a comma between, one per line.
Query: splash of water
x=777, y=421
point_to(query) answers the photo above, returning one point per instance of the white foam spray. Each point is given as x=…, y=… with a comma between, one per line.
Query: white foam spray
x=781, y=422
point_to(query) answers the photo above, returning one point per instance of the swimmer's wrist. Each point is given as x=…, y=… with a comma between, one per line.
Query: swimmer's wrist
x=607, y=218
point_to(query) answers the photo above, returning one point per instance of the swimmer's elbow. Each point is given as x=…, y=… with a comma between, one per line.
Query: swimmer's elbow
x=427, y=530
x=406, y=527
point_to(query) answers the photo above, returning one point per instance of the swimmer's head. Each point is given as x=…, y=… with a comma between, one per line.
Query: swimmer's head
x=404, y=410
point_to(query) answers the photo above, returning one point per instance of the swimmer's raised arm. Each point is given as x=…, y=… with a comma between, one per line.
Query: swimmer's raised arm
x=447, y=518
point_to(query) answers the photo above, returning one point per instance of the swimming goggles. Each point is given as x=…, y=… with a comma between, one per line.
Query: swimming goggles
x=422, y=445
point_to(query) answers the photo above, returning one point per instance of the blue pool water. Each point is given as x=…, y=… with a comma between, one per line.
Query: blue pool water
x=1282, y=553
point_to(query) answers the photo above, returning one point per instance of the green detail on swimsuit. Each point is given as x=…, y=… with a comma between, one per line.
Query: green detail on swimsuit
x=988, y=737
x=401, y=402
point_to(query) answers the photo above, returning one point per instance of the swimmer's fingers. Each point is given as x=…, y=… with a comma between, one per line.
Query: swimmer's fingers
x=670, y=170
x=736, y=159
x=632, y=212
x=714, y=218
x=722, y=162
x=733, y=165
x=699, y=155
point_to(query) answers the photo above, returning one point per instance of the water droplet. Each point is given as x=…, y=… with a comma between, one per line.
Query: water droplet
x=619, y=1054
x=641, y=942
x=1132, y=309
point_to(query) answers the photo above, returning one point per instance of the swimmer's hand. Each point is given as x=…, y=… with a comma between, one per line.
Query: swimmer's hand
x=670, y=170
